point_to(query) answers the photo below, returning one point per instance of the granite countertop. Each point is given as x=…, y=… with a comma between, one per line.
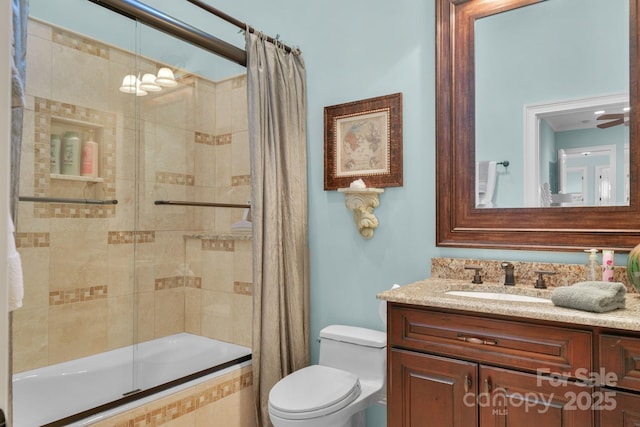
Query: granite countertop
x=432, y=293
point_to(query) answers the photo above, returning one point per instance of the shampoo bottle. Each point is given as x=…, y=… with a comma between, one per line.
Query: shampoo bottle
x=55, y=153
x=90, y=157
x=592, y=265
x=607, y=265
x=70, y=164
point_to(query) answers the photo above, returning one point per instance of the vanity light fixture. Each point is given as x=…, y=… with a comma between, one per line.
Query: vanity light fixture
x=129, y=84
x=166, y=78
x=149, y=82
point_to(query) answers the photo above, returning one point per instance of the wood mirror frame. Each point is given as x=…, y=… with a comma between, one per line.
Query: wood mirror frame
x=458, y=222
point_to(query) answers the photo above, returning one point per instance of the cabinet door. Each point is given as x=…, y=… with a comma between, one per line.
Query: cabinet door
x=625, y=413
x=620, y=359
x=510, y=398
x=428, y=391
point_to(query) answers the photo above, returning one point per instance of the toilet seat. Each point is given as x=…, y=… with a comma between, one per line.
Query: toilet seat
x=312, y=392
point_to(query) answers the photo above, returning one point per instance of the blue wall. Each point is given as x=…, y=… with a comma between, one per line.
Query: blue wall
x=355, y=50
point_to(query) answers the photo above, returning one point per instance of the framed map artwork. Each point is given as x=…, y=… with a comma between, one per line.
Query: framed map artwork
x=363, y=140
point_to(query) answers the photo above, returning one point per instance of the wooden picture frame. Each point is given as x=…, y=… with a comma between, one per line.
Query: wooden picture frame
x=363, y=140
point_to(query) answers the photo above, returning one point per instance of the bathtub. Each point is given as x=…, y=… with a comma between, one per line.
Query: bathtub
x=82, y=391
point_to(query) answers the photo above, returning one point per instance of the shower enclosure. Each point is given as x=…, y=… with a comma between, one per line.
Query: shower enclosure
x=154, y=245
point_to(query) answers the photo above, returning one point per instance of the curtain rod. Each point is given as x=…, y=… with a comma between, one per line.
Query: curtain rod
x=237, y=23
x=67, y=200
x=160, y=21
x=204, y=204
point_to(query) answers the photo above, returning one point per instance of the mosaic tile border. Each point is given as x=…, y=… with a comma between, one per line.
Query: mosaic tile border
x=238, y=180
x=62, y=210
x=77, y=42
x=63, y=110
x=243, y=288
x=218, y=245
x=175, y=178
x=69, y=296
x=178, y=405
x=32, y=240
x=210, y=139
x=130, y=237
x=173, y=282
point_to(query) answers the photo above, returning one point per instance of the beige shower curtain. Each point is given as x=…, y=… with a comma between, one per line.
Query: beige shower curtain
x=277, y=134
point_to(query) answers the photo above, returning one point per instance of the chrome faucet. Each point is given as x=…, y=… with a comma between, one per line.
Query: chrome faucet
x=509, y=279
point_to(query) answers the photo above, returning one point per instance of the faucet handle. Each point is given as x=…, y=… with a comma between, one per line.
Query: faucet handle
x=540, y=284
x=477, y=278
x=509, y=277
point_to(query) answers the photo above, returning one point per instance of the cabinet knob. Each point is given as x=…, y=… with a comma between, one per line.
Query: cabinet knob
x=487, y=385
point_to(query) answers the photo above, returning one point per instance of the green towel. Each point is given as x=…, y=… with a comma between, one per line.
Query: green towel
x=594, y=296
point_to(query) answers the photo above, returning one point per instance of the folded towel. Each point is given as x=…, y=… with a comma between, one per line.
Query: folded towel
x=594, y=296
x=617, y=289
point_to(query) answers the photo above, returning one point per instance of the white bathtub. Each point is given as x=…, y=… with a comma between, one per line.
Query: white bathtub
x=45, y=395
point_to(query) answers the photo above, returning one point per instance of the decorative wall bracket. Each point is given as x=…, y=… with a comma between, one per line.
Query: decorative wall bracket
x=362, y=202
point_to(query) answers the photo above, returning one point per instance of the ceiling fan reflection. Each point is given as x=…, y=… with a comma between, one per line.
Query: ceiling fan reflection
x=614, y=120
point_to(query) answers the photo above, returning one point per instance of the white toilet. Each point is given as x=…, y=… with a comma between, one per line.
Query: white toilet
x=349, y=378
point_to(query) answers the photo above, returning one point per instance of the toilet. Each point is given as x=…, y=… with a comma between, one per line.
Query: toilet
x=350, y=376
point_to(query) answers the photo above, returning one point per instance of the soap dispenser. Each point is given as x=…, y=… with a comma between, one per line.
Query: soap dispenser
x=592, y=265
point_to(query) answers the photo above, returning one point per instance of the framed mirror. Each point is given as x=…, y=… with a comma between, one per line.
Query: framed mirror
x=572, y=218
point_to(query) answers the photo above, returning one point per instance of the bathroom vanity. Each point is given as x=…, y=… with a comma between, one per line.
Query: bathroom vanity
x=465, y=361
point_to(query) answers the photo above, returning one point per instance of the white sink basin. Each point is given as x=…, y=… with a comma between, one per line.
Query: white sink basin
x=498, y=296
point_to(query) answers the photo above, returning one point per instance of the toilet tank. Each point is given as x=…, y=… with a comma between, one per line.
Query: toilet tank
x=361, y=351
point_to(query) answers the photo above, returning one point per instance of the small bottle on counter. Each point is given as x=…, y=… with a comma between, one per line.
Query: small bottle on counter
x=607, y=265
x=55, y=153
x=593, y=268
x=70, y=164
x=90, y=157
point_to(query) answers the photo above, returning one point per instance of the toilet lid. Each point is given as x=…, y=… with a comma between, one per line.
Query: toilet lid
x=312, y=392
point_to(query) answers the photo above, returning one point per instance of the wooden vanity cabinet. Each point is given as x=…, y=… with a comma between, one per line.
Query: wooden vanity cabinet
x=427, y=390
x=512, y=398
x=456, y=369
x=620, y=360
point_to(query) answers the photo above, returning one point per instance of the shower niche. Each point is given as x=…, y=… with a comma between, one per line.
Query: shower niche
x=86, y=132
x=53, y=119
x=75, y=185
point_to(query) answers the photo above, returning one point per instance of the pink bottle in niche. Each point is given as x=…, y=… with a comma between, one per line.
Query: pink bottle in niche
x=607, y=265
x=90, y=158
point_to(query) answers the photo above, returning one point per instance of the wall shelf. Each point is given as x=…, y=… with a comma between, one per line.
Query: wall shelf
x=76, y=178
x=362, y=202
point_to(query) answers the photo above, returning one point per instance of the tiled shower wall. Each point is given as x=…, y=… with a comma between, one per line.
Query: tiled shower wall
x=99, y=277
